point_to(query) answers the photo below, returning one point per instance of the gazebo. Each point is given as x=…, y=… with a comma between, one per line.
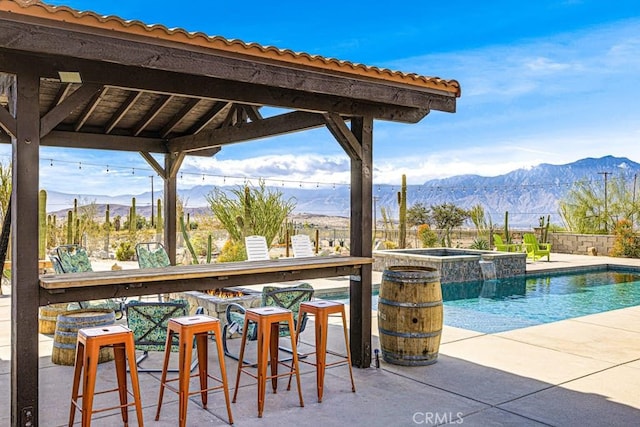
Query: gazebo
x=81, y=80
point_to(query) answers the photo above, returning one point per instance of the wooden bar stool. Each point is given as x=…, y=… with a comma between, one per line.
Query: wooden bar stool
x=90, y=341
x=188, y=328
x=268, y=321
x=321, y=309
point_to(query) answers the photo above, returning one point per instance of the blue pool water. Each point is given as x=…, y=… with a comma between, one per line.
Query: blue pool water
x=507, y=304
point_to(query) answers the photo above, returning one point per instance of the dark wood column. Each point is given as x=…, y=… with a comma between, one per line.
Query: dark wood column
x=172, y=163
x=357, y=142
x=361, y=241
x=24, y=273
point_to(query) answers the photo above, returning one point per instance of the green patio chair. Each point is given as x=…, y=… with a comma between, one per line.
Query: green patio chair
x=536, y=250
x=289, y=297
x=499, y=244
x=152, y=255
x=149, y=321
x=74, y=259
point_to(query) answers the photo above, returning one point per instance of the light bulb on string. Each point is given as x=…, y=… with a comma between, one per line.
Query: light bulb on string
x=79, y=165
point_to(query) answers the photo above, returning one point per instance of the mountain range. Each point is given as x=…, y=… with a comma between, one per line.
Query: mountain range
x=527, y=194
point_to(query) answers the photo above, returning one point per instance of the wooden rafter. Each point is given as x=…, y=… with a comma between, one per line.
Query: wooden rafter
x=208, y=117
x=87, y=92
x=7, y=122
x=86, y=113
x=152, y=113
x=190, y=105
x=124, y=108
x=65, y=88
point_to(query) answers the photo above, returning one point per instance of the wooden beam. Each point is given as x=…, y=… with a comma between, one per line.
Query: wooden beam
x=278, y=125
x=253, y=112
x=100, y=142
x=89, y=109
x=152, y=113
x=190, y=105
x=62, y=94
x=154, y=164
x=208, y=117
x=343, y=135
x=158, y=81
x=62, y=110
x=24, y=250
x=120, y=48
x=7, y=122
x=124, y=108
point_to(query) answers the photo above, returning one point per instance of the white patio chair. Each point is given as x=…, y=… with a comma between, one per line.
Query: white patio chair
x=302, y=246
x=257, y=249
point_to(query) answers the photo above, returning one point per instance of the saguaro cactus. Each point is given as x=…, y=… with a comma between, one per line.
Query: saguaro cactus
x=42, y=224
x=132, y=217
x=159, y=220
x=70, y=227
x=402, y=201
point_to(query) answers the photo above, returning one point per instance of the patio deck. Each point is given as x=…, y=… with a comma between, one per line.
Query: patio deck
x=577, y=372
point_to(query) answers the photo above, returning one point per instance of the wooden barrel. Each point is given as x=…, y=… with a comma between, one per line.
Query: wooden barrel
x=48, y=316
x=410, y=315
x=66, y=336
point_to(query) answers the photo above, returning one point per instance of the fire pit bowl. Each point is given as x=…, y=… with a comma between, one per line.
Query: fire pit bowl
x=215, y=302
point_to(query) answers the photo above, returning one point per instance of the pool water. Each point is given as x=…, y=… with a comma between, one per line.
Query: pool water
x=513, y=303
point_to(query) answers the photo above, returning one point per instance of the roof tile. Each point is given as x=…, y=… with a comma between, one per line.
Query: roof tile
x=39, y=9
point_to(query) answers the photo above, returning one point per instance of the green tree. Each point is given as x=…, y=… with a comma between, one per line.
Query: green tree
x=417, y=214
x=446, y=217
x=479, y=219
x=250, y=211
x=585, y=210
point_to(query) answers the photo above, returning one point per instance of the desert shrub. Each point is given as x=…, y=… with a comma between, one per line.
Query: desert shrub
x=480, y=244
x=627, y=243
x=232, y=251
x=125, y=251
x=427, y=236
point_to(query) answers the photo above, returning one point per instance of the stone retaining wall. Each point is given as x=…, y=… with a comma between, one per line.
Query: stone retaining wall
x=579, y=244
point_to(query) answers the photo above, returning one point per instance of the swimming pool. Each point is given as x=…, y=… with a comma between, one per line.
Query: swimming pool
x=513, y=303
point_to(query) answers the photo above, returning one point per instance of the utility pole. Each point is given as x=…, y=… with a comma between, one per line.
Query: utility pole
x=606, y=212
x=152, y=204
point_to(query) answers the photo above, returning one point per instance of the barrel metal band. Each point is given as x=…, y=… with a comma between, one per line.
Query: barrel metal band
x=399, y=357
x=410, y=334
x=410, y=304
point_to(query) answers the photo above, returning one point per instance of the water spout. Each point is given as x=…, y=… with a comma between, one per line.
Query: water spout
x=488, y=269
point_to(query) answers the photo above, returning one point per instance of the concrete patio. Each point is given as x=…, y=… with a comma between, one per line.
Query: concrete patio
x=578, y=372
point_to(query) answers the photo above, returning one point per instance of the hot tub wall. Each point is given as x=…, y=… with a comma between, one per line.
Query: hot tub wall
x=456, y=265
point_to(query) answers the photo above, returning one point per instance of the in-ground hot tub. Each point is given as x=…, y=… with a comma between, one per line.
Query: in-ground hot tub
x=455, y=265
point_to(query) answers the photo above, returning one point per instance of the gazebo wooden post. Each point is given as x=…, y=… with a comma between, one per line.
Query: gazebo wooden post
x=172, y=163
x=24, y=272
x=361, y=228
x=357, y=142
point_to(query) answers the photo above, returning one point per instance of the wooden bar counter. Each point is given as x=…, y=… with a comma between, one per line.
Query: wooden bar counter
x=56, y=288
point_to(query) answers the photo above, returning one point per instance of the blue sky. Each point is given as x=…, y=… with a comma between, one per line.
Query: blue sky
x=542, y=82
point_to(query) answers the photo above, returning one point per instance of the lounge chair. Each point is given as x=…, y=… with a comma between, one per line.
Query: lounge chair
x=257, y=249
x=302, y=247
x=536, y=250
x=505, y=247
x=289, y=297
x=499, y=244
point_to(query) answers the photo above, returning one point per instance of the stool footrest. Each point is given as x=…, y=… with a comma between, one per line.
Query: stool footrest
x=177, y=391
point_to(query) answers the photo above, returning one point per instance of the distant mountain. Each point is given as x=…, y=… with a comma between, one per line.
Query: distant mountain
x=526, y=194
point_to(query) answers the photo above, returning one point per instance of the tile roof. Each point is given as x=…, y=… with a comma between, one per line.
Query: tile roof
x=38, y=9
